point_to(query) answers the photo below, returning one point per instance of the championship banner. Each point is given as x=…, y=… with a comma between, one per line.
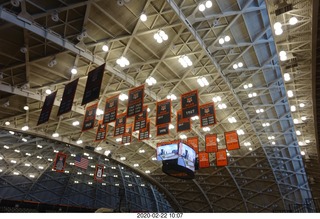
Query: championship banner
x=232, y=140
x=203, y=158
x=135, y=101
x=168, y=142
x=93, y=84
x=120, y=126
x=194, y=143
x=46, y=108
x=207, y=115
x=162, y=129
x=163, y=112
x=60, y=162
x=67, y=97
x=101, y=131
x=98, y=173
x=90, y=117
x=140, y=120
x=190, y=104
x=211, y=143
x=110, y=109
x=127, y=136
x=145, y=132
x=182, y=124
x=221, y=158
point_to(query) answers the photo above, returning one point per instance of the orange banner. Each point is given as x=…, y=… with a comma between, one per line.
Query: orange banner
x=211, y=143
x=221, y=158
x=232, y=140
x=127, y=136
x=203, y=159
x=194, y=143
x=101, y=131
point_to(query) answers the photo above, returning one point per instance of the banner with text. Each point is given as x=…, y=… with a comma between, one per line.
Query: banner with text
x=127, y=136
x=145, y=132
x=232, y=140
x=101, y=131
x=67, y=97
x=163, y=112
x=211, y=143
x=221, y=158
x=203, y=159
x=140, y=120
x=120, y=124
x=111, y=109
x=190, y=104
x=93, y=84
x=182, y=124
x=135, y=101
x=162, y=129
x=47, y=108
x=207, y=115
x=90, y=117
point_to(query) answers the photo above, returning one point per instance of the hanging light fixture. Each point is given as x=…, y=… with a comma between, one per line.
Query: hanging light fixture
x=123, y=61
x=143, y=17
x=185, y=61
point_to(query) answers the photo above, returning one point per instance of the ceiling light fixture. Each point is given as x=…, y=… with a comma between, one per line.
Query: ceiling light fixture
x=185, y=61
x=48, y=91
x=286, y=76
x=283, y=55
x=160, y=36
x=123, y=97
x=25, y=128
x=99, y=112
x=206, y=129
x=202, y=7
x=55, y=135
x=172, y=97
x=202, y=81
x=250, y=95
x=293, y=21
x=74, y=70
x=216, y=99
x=143, y=17
x=278, y=28
x=151, y=81
x=239, y=65
x=290, y=93
x=7, y=123
x=222, y=106
x=105, y=48
x=26, y=108
x=171, y=126
x=301, y=105
x=293, y=108
x=232, y=120
x=75, y=123
x=79, y=141
x=123, y=61
x=240, y=132
x=246, y=86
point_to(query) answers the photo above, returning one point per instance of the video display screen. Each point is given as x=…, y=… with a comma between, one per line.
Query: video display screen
x=187, y=156
x=167, y=152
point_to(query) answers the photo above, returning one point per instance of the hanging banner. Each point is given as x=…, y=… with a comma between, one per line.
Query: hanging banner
x=127, y=136
x=135, y=101
x=190, y=104
x=163, y=112
x=203, y=159
x=207, y=115
x=101, y=131
x=168, y=142
x=90, y=117
x=60, y=162
x=110, y=109
x=120, y=126
x=182, y=124
x=93, y=85
x=221, y=158
x=162, y=129
x=145, y=132
x=194, y=143
x=46, y=108
x=232, y=140
x=67, y=97
x=98, y=173
x=211, y=143
x=140, y=120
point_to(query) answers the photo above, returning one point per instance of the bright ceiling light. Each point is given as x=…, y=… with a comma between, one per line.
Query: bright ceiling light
x=222, y=106
x=286, y=76
x=79, y=141
x=206, y=129
x=278, y=31
x=208, y=4
x=7, y=123
x=141, y=151
x=160, y=36
x=250, y=149
x=123, y=61
x=118, y=139
x=303, y=153
x=227, y=38
x=283, y=55
x=240, y=132
x=122, y=158
x=303, y=118
x=247, y=144
x=74, y=70
x=221, y=41
x=105, y=48
x=171, y=126
x=301, y=105
x=216, y=99
x=240, y=64
x=25, y=128
x=293, y=21
x=183, y=136
x=55, y=135
x=48, y=91
x=232, y=120
x=75, y=123
x=143, y=17
x=151, y=81
x=295, y=121
x=202, y=7
x=298, y=132
x=293, y=108
x=123, y=97
x=185, y=61
x=290, y=93
x=235, y=66
x=195, y=118
x=202, y=81
x=26, y=108
x=307, y=141
x=99, y=112
x=172, y=97
x=277, y=25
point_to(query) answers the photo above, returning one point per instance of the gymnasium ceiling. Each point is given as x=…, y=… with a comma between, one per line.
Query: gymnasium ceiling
x=268, y=171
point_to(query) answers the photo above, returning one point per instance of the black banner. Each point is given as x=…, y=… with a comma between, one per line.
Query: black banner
x=145, y=132
x=127, y=136
x=182, y=124
x=46, y=108
x=162, y=129
x=207, y=115
x=190, y=104
x=135, y=101
x=140, y=120
x=101, y=131
x=111, y=109
x=93, y=85
x=67, y=97
x=163, y=112
x=120, y=126
x=90, y=117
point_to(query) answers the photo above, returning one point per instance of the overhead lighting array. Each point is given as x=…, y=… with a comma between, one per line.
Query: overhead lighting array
x=216, y=99
x=286, y=76
x=172, y=97
x=222, y=106
x=246, y=86
x=160, y=36
x=202, y=7
x=123, y=97
x=202, y=81
x=151, y=81
x=237, y=65
x=232, y=120
x=254, y=94
x=222, y=40
x=143, y=17
x=185, y=61
x=283, y=55
x=123, y=61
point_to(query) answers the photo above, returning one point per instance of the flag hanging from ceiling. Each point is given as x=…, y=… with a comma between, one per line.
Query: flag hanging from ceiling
x=163, y=129
x=163, y=112
x=194, y=143
x=67, y=97
x=182, y=124
x=60, y=162
x=211, y=143
x=140, y=120
x=135, y=101
x=127, y=136
x=203, y=159
x=110, y=109
x=232, y=140
x=120, y=124
x=190, y=104
x=221, y=158
x=81, y=162
x=145, y=132
x=93, y=84
x=46, y=108
x=101, y=131
x=207, y=115
x=90, y=117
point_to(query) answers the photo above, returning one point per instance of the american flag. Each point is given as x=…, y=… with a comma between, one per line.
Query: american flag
x=81, y=162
